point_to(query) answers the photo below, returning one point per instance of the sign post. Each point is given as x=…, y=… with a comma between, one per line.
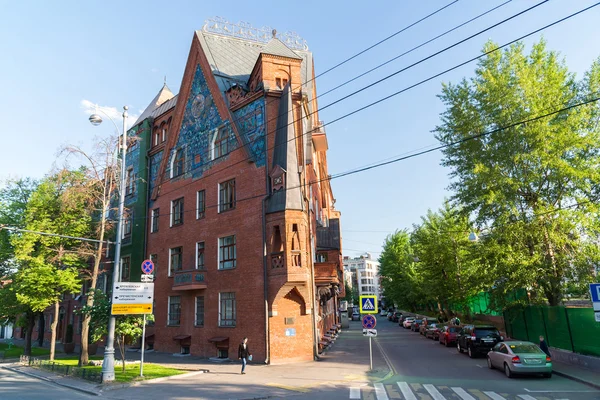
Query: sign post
x=595, y=292
x=369, y=323
x=147, y=269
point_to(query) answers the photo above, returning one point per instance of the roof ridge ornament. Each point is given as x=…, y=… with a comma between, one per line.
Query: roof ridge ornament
x=246, y=31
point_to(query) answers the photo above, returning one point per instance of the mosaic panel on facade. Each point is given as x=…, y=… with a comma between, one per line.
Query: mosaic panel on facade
x=201, y=120
x=250, y=120
x=155, y=161
x=132, y=160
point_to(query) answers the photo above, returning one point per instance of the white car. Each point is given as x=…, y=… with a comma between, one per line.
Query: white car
x=408, y=322
x=383, y=313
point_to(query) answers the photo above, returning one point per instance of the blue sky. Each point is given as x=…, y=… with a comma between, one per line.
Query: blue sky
x=58, y=55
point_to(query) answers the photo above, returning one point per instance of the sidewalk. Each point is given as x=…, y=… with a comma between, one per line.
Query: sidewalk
x=346, y=362
x=576, y=373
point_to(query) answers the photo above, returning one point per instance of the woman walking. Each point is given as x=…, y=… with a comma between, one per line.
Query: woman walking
x=244, y=353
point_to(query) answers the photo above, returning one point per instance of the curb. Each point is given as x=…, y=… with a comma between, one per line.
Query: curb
x=576, y=379
x=43, y=378
x=155, y=380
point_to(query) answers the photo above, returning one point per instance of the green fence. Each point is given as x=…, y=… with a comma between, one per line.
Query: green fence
x=573, y=329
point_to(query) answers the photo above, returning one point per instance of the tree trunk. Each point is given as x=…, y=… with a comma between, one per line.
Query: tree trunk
x=29, y=332
x=553, y=291
x=121, y=345
x=41, y=325
x=85, y=325
x=53, y=327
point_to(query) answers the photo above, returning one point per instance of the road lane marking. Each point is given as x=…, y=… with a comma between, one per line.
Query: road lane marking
x=461, y=392
x=386, y=358
x=355, y=393
x=406, y=392
x=494, y=396
x=526, y=397
x=437, y=395
x=380, y=392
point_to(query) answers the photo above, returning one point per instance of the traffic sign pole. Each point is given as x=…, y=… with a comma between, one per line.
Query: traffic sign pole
x=370, y=354
x=143, y=347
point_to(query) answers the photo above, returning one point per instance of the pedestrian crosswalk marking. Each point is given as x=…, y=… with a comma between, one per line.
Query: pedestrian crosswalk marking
x=526, y=397
x=434, y=392
x=494, y=396
x=462, y=393
x=380, y=392
x=406, y=392
x=355, y=393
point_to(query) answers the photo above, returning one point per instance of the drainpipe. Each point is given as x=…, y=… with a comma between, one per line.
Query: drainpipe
x=264, y=239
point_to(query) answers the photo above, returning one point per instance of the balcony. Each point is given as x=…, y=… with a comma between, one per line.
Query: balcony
x=327, y=273
x=189, y=280
x=319, y=138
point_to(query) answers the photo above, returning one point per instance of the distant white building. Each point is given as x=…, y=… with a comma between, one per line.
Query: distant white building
x=365, y=274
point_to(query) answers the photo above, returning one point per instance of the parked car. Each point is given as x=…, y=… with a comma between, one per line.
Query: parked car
x=383, y=313
x=477, y=339
x=425, y=325
x=523, y=358
x=396, y=317
x=447, y=335
x=355, y=316
x=390, y=315
x=408, y=322
x=432, y=332
x=416, y=325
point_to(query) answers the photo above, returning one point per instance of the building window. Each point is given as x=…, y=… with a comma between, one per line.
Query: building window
x=199, y=311
x=164, y=134
x=127, y=224
x=227, y=309
x=227, y=195
x=175, y=259
x=222, y=142
x=177, y=212
x=156, y=136
x=130, y=183
x=174, y=317
x=125, y=268
x=200, y=255
x=154, y=224
x=200, y=204
x=227, y=252
x=178, y=164
x=154, y=259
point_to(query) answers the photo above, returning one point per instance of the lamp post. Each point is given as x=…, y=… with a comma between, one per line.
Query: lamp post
x=108, y=364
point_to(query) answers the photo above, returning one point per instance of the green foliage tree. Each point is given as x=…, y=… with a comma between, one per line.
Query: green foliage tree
x=534, y=185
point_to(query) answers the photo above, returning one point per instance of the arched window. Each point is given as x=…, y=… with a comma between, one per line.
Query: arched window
x=222, y=144
x=178, y=163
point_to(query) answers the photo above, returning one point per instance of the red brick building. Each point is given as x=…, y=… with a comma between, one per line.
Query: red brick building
x=241, y=219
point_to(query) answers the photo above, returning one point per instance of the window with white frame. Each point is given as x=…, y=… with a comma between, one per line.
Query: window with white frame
x=199, y=320
x=222, y=142
x=154, y=220
x=227, y=252
x=125, y=268
x=200, y=204
x=130, y=182
x=127, y=224
x=227, y=309
x=175, y=259
x=178, y=163
x=200, y=255
x=177, y=212
x=227, y=195
x=174, y=316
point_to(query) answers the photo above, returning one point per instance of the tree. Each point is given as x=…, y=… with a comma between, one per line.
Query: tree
x=534, y=185
x=49, y=264
x=101, y=175
x=399, y=279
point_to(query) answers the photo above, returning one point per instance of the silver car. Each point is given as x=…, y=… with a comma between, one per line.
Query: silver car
x=516, y=357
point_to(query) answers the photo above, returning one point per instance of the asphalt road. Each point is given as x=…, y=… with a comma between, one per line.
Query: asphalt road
x=427, y=370
x=14, y=386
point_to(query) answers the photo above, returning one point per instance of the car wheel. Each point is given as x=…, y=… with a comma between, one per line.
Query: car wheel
x=507, y=371
x=548, y=375
x=460, y=350
x=470, y=352
x=489, y=360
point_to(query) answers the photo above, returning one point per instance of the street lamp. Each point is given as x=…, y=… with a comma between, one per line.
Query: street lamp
x=108, y=364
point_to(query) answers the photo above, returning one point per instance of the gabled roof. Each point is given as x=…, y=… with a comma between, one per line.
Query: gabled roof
x=163, y=95
x=277, y=48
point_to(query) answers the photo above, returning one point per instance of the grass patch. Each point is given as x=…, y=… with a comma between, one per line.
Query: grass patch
x=17, y=351
x=132, y=371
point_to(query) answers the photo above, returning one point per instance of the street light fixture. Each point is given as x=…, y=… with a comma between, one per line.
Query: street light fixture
x=108, y=364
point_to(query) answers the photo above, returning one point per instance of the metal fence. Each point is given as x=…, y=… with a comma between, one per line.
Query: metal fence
x=573, y=329
x=62, y=369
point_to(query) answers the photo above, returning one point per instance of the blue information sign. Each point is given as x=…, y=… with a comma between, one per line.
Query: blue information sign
x=595, y=290
x=147, y=267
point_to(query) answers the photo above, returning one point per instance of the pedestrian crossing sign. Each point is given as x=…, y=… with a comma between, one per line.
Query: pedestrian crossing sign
x=368, y=304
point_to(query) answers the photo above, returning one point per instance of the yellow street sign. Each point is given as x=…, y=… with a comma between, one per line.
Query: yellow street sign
x=123, y=309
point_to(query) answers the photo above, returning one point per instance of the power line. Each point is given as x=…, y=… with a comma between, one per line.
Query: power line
x=396, y=93
x=416, y=154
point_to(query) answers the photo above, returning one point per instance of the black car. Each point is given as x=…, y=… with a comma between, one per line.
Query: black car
x=477, y=339
x=396, y=317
